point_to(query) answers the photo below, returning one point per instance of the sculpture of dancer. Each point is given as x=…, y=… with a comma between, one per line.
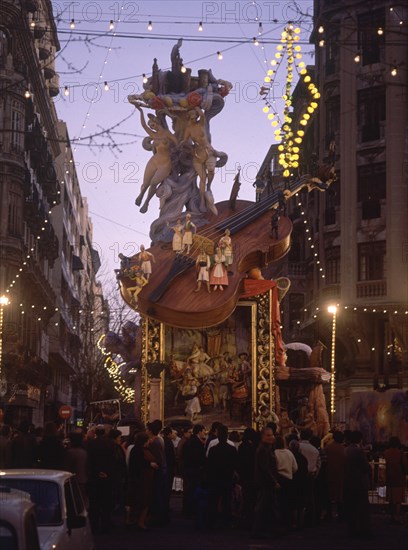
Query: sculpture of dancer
x=203, y=264
x=225, y=243
x=205, y=158
x=219, y=275
x=189, y=227
x=177, y=243
x=146, y=259
x=159, y=166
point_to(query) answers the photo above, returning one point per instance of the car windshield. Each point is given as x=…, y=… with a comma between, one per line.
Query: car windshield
x=44, y=494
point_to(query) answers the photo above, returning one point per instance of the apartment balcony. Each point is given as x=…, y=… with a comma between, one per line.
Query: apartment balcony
x=296, y=269
x=53, y=86
x=371, y=289
x=330, y=292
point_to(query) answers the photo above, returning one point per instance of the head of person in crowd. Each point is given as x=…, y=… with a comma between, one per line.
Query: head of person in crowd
x=279, y=442
x=222, y=432
x=250, y=436
x=267, y=436
x=315, y=441
x=116, y=435
x=235, y=437
x=76, y=439
x=273, y=426
x=292, y=437
x=187, y=432
x=214, y=429
x=169, y=433
x=338, y=436
x=5, y=431
x=199, y=431
x=394, y=442
x=100, y=430
x=141, y=438
x=294, y=446
x=154, y=427
x=306, y=434
x=356, y=437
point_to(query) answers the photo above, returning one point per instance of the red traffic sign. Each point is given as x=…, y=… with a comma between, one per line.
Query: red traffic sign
x=65, y=412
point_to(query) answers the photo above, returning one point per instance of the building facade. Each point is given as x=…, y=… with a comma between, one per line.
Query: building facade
x=47, y=263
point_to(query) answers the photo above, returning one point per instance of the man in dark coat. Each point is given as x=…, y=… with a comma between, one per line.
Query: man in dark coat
x=22, y=449
x=221, y=467
x=193, y=464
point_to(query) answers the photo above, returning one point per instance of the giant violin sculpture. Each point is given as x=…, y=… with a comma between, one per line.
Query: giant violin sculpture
x=169, y=296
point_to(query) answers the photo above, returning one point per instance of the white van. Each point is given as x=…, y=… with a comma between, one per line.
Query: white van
x=18, y=527
x=62, y=519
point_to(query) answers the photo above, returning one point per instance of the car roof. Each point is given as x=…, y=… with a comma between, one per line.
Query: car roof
x=58, y=476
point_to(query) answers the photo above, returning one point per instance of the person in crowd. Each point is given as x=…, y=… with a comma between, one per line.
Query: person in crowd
x=321, y=495
x=101, y=460
x=22, y=449
x=286, y=467
x=193, y=463
x=141, y=470
x=50, y=451
x=214, y=441
x=235, y=438
x=335, y=453
x=156, y=447
x=76, y=461
x=356, y=485
x=169, y=435
x=221, y=466
x=186, y=434
x=267, y=485
x=395, y=475
x=313, y=465
x=119, y=472
x=300, y=485
x=5, y=434
x=246, y=472
x=212, y=434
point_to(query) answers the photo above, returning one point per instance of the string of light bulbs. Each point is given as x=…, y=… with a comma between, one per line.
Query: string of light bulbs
x=113, y=369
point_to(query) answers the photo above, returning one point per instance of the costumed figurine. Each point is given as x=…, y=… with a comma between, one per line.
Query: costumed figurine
x=177, y=242
x=219, y=274
x=146, y=258
x=138, y=282
x=203, y=264
x=225, y=243
x=189, y=228
x=189, y=391
x=275, y=223
x=160, y=165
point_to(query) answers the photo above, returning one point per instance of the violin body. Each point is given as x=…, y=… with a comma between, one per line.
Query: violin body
x=173, y=300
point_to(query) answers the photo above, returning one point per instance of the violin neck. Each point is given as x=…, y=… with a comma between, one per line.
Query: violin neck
x=180, y=264
x=244, y=218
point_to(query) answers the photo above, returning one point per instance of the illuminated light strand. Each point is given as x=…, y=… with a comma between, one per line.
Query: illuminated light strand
x=333, y=311
x=113, y=370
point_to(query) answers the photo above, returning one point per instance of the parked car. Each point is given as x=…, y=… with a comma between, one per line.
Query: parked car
x=62, y=519
x=18, y=526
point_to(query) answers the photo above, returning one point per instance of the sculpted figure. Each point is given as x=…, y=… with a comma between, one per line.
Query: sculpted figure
x=146, y=259
x=219, y=275
x=138, y=282
x=204, y=156
x=203, y=265
x=225, y=243
x=159, y=166
x=177, y=243
x=188, y=229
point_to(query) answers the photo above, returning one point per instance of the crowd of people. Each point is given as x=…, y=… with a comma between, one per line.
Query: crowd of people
x=262, y=481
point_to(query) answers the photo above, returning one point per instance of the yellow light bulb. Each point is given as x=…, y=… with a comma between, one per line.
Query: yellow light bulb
x=303, y=71
x=298, y=56
x=270, y=72
x=297, y=37
x=265, y=109
x=286, y=173
x=303, y=122
x=301, y=64
x=275, y=123
x=278, y=138
x=306, y=116
x=307, y=78
x=273, y=62
x=281, y=162
x=281, y=148
x=278, y=55
x=300, y=133
x=298, y=140
x=279, y=48
x=316, y=95
x=297, y=30
x=310, y=109
x=296, y=149
x=271, y=116
x=314, y=105
x=295, y=164
x=297, y=48
x=267, y=79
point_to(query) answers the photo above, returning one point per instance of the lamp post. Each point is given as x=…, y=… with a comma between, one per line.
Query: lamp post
x=4, y=301
x=333, y=311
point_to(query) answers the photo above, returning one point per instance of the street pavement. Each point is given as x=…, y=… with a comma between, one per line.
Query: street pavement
x=181, y=534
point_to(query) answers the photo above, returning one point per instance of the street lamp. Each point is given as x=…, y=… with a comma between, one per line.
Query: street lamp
x=4, y=301
x=333, y=311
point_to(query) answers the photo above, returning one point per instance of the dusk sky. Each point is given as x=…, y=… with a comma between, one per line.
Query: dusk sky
x=110, y=177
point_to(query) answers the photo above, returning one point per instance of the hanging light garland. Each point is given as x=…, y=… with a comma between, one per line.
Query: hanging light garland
x=113, y=370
